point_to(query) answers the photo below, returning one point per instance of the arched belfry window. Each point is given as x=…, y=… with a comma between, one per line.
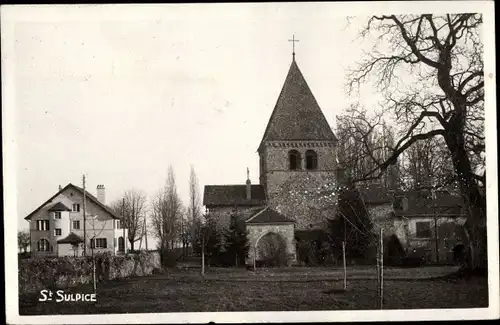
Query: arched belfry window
x=294, y=160
x=311, y=160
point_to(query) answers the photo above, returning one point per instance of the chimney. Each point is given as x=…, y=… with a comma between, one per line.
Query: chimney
x=60, y=187
x=249, y=186
x=101, y=194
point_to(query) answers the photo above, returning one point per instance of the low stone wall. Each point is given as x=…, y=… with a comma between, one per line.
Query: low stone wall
x=65, y=272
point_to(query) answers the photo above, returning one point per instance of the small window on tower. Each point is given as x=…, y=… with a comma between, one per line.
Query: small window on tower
x=311, y=160
x=294, y=159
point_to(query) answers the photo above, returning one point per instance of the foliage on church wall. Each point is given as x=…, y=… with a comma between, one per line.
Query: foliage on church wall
x=309, y=198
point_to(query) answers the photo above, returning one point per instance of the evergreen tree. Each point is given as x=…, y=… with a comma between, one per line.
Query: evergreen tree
x=352, y=225
x=236, y=240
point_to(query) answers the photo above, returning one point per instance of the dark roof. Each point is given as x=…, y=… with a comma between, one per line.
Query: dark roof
x=297, y=115
x=72, y=238
x=92, y=198
x=421, y=203
x=59, y=206
x=230, y=195
x=268, y=215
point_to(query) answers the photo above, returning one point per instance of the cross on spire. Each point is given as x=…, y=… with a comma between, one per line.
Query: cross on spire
x=248, y=173
x=293, y=40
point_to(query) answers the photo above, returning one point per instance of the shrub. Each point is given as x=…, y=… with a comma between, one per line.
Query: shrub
x=169, y=257
x=64, y=272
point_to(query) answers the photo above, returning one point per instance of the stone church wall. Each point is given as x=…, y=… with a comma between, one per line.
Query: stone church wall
x=276, y=158
x=300, y=194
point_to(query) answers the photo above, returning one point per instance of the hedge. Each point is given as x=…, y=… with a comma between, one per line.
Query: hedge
x=65, y=272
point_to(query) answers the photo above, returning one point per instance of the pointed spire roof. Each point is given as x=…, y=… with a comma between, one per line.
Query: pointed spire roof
x=297, y=115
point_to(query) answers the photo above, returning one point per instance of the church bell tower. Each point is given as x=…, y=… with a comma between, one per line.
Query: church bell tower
x=298, y=146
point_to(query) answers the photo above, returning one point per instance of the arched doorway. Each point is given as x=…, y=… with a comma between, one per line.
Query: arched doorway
x=271, y=250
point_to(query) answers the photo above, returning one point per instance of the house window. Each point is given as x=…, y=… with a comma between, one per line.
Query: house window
x=57, y=232
x=76, y=207
x=57, y=215
x=423, y=229
x=294, y=160
x=76, y=224
x=311, y=160
x=98, y=243
x=118, y=224
x=43, y=245
x=42, y=225
x=121, y=244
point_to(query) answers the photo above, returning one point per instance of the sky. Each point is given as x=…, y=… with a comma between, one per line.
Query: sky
x=119, y=93
x=121, y=100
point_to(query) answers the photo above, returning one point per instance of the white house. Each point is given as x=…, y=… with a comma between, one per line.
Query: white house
x=57, y=226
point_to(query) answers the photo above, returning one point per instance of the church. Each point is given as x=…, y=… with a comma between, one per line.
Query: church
x=297, y=174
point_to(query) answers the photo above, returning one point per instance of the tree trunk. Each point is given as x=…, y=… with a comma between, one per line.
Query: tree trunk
x=474, y=200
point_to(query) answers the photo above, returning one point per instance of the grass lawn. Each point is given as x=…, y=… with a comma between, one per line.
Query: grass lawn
x=275, y=290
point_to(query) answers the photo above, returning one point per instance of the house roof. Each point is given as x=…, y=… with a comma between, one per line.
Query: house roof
x=59, y=206
x=297, y=115
x=268, y=215
x=230, y=195
x=72, y=238
x=92, y=198
x=421, y=203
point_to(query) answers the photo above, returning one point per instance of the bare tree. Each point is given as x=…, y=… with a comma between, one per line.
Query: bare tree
x=133, y=208
x=91, y=219
x=427, y=165
x=364, y=141
x=430, y=71
x=23, y=240
x=166, y=213
x=194, y=208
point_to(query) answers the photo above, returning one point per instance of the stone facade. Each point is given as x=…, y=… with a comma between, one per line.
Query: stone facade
x=275, y=169
x=449, y=233
x=257, y=231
